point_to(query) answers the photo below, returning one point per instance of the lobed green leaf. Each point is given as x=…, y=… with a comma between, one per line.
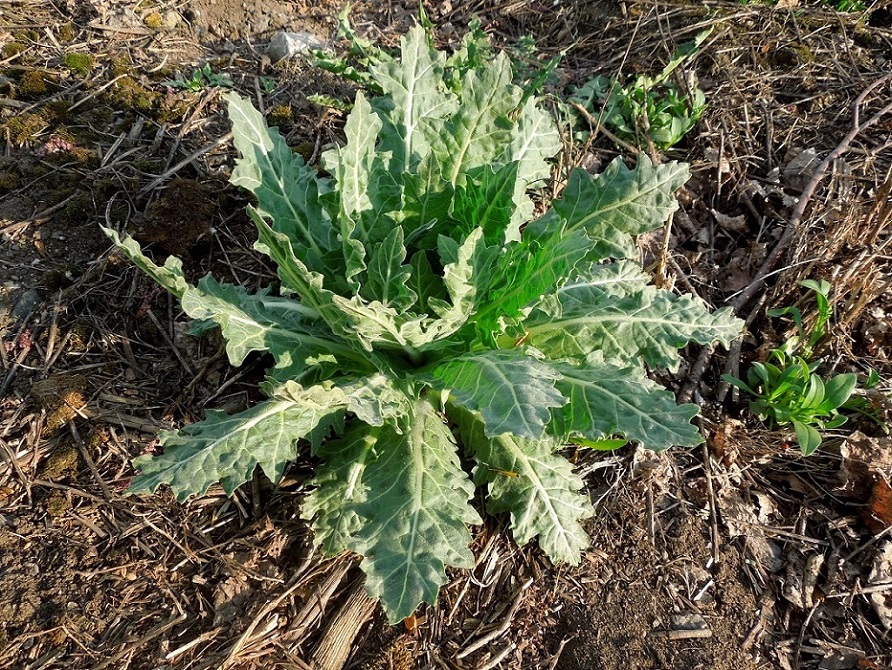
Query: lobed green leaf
x=227, y=448
x=397, y=495
x=510, y=389
x=606, y=398
x=650, y=325
x=536, y=486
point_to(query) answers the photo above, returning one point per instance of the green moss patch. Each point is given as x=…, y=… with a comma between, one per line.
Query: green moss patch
x=78, y=63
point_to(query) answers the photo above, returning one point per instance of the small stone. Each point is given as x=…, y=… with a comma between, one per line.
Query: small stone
x=171, y=19
x=688, y=621
x=287, y=45
x=28, y=303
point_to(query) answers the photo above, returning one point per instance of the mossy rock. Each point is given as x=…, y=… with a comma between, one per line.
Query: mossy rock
x=24, y=128
x=153, y=20
x=170, y=108
x=78, y=63
x=12, y=49
x=33, y=84
x=56, y=111
x=58, y=504
x=280, y=116
x=27, y=35
x=63, y=396
x=64, y=460
x=128, y=93
x=66, y=32
x=9, y=181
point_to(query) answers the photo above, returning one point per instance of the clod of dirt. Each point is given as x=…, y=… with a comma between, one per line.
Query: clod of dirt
x=66, y=32
x=64, y=460
x=23, y=128
x=62, y=396
x=179, y=218
x=235, y=20
x=58, y=504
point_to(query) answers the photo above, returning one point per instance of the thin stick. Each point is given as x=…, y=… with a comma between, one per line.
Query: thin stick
x=792, y=227
x=503, y=627
x=820, y=172
x=498, y=658
x=598, y=127
x=713, y=505
x=183, y=163
x=683, y=634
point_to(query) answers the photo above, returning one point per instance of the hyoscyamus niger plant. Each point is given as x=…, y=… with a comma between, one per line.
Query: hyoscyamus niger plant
x=423, y=309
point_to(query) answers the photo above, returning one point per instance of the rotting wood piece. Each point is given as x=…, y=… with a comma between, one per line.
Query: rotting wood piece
x=336, y=644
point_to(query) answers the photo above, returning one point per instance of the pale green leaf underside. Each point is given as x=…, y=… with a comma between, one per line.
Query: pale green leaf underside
x=169, y=276
x=352, y=166
x=249, y=322
x=397, y=495
x=226, y=448
x=534, y=484
x=287, y=190
x=597, y=282
x=650, y=325
x=511, y=390
x=259, y=322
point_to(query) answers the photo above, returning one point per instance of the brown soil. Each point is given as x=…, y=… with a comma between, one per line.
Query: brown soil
x=96, y=360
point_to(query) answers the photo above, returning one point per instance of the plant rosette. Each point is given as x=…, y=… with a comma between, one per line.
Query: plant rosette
x=423, y=306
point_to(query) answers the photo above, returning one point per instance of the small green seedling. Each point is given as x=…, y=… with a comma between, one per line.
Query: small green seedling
x=805, y=341
x=269, y=85
x=202, y=78
x=789, y=391
x=648, y=109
